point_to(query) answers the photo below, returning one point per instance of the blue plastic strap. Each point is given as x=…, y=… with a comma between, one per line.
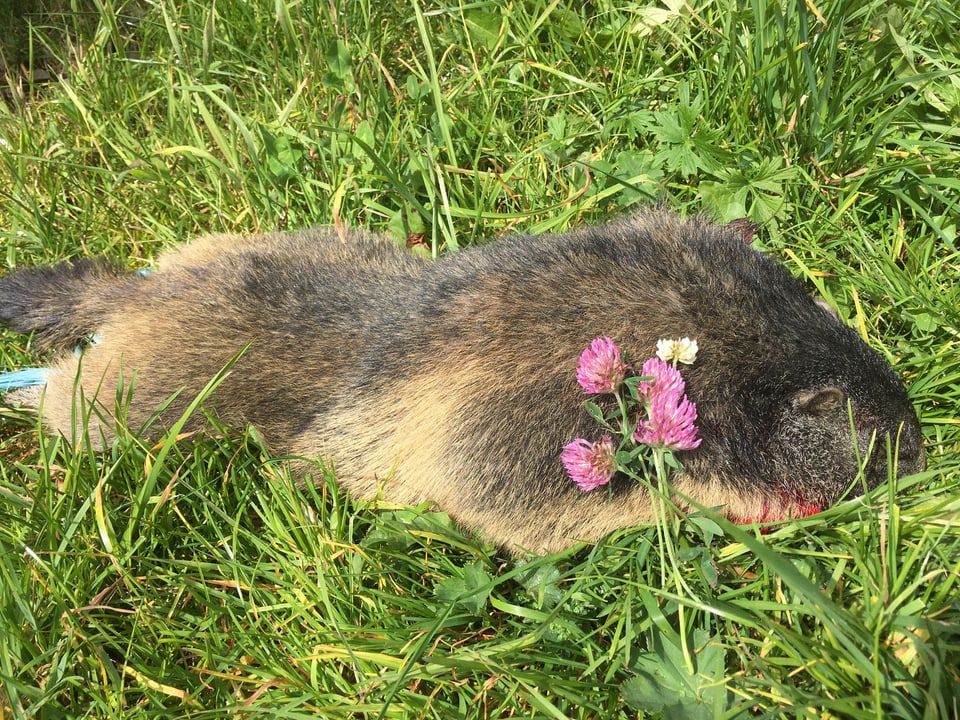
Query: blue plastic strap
x=23, y=378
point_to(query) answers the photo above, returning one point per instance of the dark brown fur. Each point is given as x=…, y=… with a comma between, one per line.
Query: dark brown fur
x=453, y=381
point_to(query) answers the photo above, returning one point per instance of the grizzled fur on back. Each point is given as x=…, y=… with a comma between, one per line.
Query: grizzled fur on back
x=453, y=381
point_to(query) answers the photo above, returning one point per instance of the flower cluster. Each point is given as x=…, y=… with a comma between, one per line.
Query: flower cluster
x=669, y=417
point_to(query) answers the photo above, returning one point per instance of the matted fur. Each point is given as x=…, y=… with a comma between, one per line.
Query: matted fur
x=453, y=381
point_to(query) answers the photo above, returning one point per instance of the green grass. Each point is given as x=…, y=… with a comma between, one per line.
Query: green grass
x=193, y=579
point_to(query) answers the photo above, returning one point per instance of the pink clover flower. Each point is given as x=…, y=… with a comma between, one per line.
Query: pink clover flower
x=601, y=369
x=590, y=464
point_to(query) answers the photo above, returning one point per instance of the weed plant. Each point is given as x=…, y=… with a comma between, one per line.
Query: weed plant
x=193, y=578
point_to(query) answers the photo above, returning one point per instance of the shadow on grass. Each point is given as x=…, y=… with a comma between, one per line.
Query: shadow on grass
x=39, y=38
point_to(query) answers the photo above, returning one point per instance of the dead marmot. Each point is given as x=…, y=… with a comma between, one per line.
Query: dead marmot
x=453, y=381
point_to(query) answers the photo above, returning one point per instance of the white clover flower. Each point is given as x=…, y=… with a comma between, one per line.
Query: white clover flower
x=683, y=350
x=665, y=349
x=686, y=350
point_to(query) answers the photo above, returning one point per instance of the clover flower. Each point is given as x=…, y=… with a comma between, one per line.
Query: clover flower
x=670, y=424
x=671, y=417
x=588, y=464
x=601, y=370
x=683, y=350
x=667, y=380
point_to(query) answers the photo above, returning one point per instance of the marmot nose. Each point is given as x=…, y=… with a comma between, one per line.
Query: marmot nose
x=900, y=446
x=911, y=457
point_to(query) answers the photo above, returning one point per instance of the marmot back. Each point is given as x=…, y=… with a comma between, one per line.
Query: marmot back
x=453, y=381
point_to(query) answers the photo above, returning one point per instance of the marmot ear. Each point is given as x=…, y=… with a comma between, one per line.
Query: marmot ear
x=744, y=228
x=822, y=401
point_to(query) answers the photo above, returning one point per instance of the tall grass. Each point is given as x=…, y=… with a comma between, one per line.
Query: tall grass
x=194, y=579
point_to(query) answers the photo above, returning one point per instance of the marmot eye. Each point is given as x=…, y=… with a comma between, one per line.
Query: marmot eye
x=822, y=401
